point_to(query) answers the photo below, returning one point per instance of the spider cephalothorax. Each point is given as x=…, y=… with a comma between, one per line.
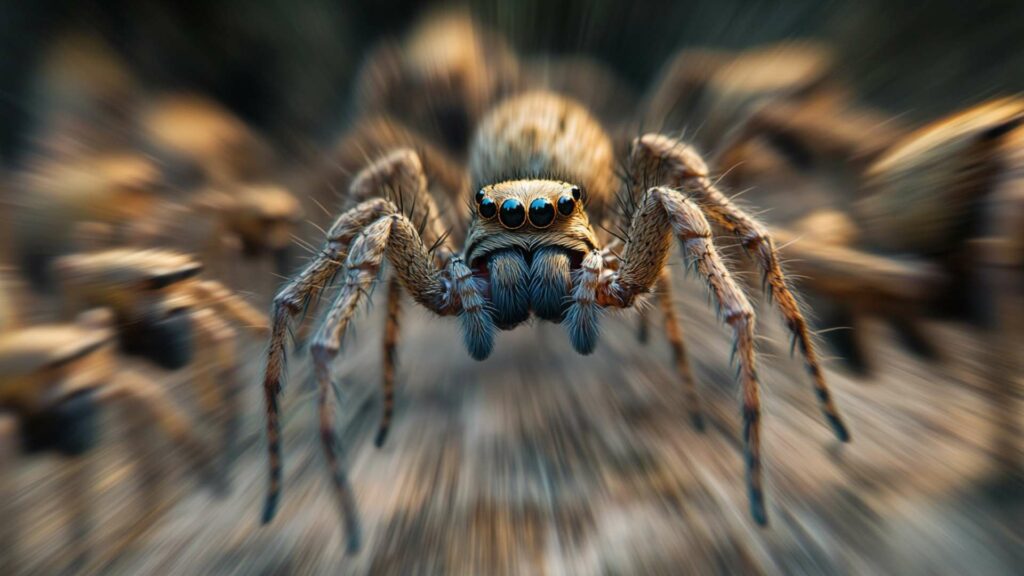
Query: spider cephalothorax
x=541, y=168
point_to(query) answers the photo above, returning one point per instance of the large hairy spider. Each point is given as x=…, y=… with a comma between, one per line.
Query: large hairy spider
x=541, y=169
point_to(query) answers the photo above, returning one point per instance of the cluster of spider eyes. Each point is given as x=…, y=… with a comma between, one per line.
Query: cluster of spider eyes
x=513, y=215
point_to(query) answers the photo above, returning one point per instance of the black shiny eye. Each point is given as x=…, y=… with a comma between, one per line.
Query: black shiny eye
x=566, y=204
x=512, y=214
x=577, y=193
x=488, y=208
x=479, y=196
x=542, y=212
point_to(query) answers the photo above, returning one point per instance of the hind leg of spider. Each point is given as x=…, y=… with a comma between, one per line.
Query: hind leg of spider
x=669, y=162
x=662, y=213
x=674, y=335
x=390, y=357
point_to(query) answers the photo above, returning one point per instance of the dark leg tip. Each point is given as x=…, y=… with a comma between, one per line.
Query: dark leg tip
x=382, y=436
x=270, y=508
x=354, y=543
x=479, y=351
x=757, y=510
x=697, y=419
x=839, y=428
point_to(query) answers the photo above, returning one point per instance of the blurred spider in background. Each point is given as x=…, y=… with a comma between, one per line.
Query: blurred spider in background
x=165, y=313
x=54, y=379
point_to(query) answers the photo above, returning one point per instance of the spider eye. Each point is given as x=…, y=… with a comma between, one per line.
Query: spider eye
x=512, y=214
x=488, y=208
x=542, y=212
x=577, y=192
x=479, y=196
x=566, y=204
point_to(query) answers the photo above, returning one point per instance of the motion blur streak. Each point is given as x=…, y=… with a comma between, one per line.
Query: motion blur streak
x=165, y=167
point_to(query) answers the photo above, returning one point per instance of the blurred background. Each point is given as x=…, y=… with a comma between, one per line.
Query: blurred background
x=166, y=166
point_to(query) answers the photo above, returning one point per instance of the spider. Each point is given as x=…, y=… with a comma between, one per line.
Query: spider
x=256, y=218
x=541, y=168
x=932, y=221
x=63, y=198
x=199, y=142
x=165, y=313
x=54, y=378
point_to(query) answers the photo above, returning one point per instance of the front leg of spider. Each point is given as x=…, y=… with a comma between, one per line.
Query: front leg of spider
x=667, y=161
x=435, y=280
x=662, y=213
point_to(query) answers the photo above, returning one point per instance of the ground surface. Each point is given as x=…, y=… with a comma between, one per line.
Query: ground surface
x=540, y=461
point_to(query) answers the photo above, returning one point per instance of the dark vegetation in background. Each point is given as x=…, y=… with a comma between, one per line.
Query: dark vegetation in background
x=285, y=65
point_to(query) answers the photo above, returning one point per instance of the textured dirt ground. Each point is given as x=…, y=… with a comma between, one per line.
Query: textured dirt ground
x=539, y=461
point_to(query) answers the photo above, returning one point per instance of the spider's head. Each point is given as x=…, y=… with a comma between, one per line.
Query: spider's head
x=528, y=215
x=526, y=239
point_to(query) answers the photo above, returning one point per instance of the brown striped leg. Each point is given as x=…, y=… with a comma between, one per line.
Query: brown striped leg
x=332, y=452
x=394, y=237
x=301, y=291
x=390, y=357
x=674, y=334
x=400, y=170
x=675, y=164
x=664, y=212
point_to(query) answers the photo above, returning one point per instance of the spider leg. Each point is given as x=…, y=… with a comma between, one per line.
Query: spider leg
x=288, y=303
x=663, y=212
x=399, y=170
x=394, y=237
x=657, y=155
x=375, y=136
x=339, y=475
x=217, y=380
x=232, y=306
x=390, y=357
x=583, y=318
x=674, y=335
